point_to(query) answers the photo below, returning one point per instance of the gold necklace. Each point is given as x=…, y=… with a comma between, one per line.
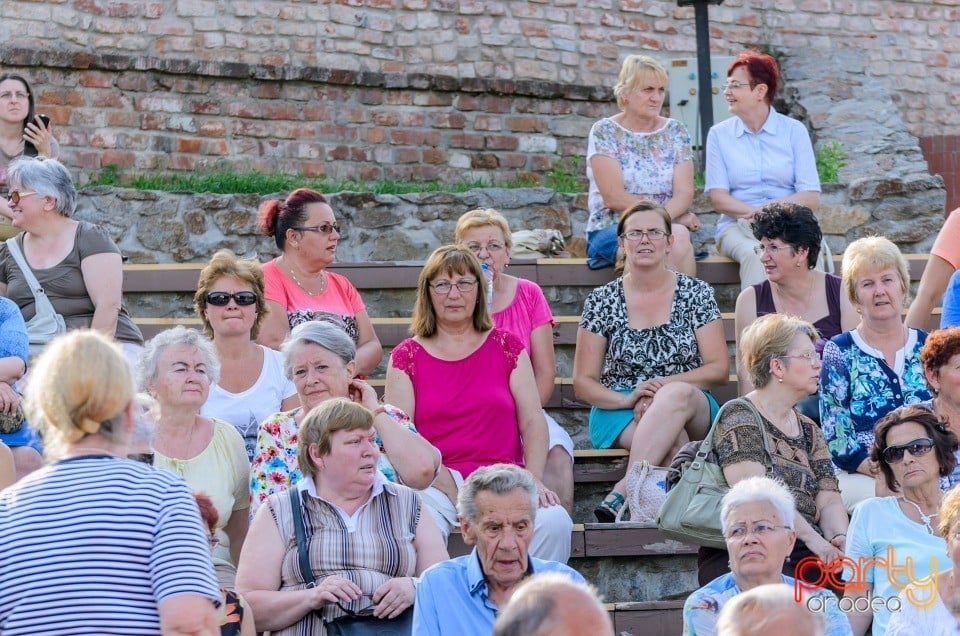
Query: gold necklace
x=322, y=276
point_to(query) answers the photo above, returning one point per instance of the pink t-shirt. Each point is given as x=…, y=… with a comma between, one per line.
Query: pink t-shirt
x=947, y=243
x=339, y=303
x=528, y=311
x=465, y=407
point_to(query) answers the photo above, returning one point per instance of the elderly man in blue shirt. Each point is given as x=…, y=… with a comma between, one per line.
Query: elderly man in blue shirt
x=462, y=596
x=755, y=157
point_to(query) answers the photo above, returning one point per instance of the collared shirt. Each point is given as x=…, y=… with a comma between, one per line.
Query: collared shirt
x=773, y=163
x=307, y=486
x=453, y=596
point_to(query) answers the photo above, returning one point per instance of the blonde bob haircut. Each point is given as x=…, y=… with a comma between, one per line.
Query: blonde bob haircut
x=483, y=217
x=453, y=260
x=767, y=338
x=80, y=385
x=318, y=427
x=949, y=511
x=631, y=72
x=872, y=253
x=225, y=263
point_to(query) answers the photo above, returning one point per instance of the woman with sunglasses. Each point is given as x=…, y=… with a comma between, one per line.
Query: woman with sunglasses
x=779, y=353
x=76, y=262
x=753, y=158
x=650, y=347
x=914, y=451
x=252, y=386
x=23, y=133
x=299, y=287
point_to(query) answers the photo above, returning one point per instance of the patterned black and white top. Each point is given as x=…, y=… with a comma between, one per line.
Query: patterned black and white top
x=636, y=355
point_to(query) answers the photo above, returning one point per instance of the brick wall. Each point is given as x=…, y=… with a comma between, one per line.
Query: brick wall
x=438, y=87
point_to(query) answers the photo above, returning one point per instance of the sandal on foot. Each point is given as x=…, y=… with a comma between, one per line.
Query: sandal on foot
x=607, y=511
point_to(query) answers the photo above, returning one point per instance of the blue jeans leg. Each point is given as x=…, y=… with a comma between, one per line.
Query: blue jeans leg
x=602, y=247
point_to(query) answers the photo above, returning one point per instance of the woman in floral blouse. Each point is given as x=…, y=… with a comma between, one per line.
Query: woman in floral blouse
x=871, y=370
x=319, y=358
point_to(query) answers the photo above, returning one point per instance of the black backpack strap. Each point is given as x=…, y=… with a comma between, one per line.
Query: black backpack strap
x=300, y=530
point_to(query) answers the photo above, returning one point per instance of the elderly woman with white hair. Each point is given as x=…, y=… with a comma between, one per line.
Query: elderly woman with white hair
x=757, y=518
x=769, y=609
x=76, y=262
x=176, y=369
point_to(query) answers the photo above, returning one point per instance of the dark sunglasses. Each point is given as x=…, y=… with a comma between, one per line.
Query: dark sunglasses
x=143, y=458
x=222, y=299
x=917, y=448
x=16, y=195
x=324, y=228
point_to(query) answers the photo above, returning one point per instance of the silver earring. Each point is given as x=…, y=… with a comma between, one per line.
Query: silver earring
x=780, y=380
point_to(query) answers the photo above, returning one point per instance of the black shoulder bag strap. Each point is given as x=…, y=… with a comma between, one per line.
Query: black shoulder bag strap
x=300, y=530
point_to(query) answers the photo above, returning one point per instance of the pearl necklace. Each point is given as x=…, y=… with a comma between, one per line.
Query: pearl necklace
x=321, y=275
x=924, y=518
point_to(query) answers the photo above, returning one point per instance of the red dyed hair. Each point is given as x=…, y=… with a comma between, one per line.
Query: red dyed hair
x=208, y=513
x=762, y=68
x=275, y=217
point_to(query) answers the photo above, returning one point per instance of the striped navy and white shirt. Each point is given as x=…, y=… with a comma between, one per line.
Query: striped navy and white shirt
x=92, y=544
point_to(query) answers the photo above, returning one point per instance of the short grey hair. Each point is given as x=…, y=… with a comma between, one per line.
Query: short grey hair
x=500, y=479
x=323, y=334
x=150, y=356
x=532, y=607
x=46, y=177
x=758, y=489
x=748, y=612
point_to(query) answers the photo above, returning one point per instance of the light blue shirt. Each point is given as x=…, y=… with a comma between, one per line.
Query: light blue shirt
x=951, y=303
x=774, y=163
x=453, y=598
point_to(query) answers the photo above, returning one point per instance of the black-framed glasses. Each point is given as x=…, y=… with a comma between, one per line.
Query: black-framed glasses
x=143, y=458
x=652, y=235
x=222, y=299
x=16, y=195
x=323, y=228
x=917, y=448
x=444, y=287
x=366, y=611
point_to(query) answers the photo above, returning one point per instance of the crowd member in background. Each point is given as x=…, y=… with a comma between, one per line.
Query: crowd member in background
x=951, y=303
x=871, y=370
x=769, y=609
x=176, y=369
x=365, y=538
x=94, y=543
x=24, y=443
x=789, y=247
x=941, y=617
x=234, y=616
x=649, y=348
x=779, y=354
x=299, y=287
x=914, y=450
x=940, y=357
x=22, y=133
x=231, y=306
x=319, y=357
x=472, y=393
x=756, y=157
x=498, y=505
x=8, y=470
x=639, y=155
x=943, y=262
x=552, y=604
x=757, y=516
x=76, y=262
x=519, y=306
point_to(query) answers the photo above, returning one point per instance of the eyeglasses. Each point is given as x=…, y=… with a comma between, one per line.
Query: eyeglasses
x=917, y=448
x=444, y=287
x=652, y=235
x=772, y=250
x=491, y=247
x=759, y=528
x=810, y=356
x=16, y=195
x=143, y=458
x=323, y=228
x=732, y=86
x=7, y=95
x=222, y=299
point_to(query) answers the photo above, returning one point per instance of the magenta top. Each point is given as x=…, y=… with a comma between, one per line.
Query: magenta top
x=465, y=407
x=528, y=311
